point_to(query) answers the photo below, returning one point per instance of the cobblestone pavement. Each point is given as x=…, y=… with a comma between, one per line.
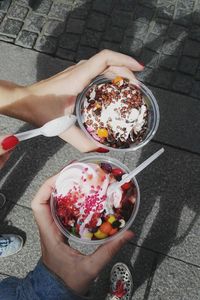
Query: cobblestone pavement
x=164, y=34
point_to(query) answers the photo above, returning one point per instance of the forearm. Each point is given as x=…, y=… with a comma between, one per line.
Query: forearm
x=12, y=100
x=38, y=284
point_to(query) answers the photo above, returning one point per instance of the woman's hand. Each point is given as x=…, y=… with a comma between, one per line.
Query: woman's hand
x=74, y=268
x=48, y=99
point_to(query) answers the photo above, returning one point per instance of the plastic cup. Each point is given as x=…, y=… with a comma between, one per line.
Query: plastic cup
x=153, y=115
x=97, y=159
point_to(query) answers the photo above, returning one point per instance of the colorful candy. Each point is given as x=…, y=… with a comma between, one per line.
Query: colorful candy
x=102, y=133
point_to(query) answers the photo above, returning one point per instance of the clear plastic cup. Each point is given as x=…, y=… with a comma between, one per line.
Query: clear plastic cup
x=114, y=163
x=153, y=115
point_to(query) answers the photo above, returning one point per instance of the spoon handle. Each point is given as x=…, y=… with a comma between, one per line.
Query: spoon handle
x=140, y=167
x=28, y=134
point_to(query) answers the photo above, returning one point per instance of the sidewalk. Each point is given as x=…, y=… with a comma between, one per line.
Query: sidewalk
x=40, y=38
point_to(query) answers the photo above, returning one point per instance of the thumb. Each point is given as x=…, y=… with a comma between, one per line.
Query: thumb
x=106, y=252
x=7, y=143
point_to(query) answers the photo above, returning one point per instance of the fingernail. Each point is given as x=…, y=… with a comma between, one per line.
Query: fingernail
x=100, y=150
x=9, y=142
x=141, y=63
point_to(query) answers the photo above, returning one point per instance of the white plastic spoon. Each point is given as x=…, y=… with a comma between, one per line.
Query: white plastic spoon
x=126, y=178
x=50, y=129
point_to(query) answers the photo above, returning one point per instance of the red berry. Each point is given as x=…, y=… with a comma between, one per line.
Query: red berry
x=117, y=172
x=126, y=186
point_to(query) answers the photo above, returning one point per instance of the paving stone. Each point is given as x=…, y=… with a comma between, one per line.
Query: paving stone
x=81, y=3
x=162, y=78
x=188, y=65
x=195, y=16
x=43, y=7
x=26, y=39
x=91, y=38
x=149, y=58
x=198, y=73
x=16, y=221
x=79, y=13
x=2, y=15
x=108, y=45
x=60, y=10
x=102, y=6
x=131, y=47
x=165, y=11
x=159, y=28
x=161, y=2
x=34, y=22
x=182, y=17
x=18, y=12
x=54, y=27
x=186, y=5
x=85, y=52
x=154, y=42
x=182, y=83
x=4, y=5
x=128, y=5
x=121, y=18
x=6, y=38
x=168, y=217
x=66, y=54
x=10, y=27
x=172, y=47
x=191, y=48
x=175, y=280
x=69, y=41
x=143, y=15
x=24, y=2
x=168, y=62
x=97, y=21
x=114, y=34
x=75, y=26
x=148, y=3
x=177, y=32
x=195, y=33
x=47, y=44
x=196, y=89
x=137, y=30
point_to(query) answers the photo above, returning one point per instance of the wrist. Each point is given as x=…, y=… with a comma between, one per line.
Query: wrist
x=76, y=294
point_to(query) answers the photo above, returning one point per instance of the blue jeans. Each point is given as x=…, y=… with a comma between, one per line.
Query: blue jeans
x=40, y=284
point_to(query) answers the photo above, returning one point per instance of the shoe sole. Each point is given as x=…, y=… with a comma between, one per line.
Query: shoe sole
x=121, y=272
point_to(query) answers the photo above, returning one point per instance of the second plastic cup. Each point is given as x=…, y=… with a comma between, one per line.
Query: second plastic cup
x=115, y=164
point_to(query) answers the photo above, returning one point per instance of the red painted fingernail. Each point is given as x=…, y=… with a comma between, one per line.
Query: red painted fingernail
x=101, y=150
x=141, y=63
x=9, y=142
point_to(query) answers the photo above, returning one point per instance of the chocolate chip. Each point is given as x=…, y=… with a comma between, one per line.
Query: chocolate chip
x=97, y=111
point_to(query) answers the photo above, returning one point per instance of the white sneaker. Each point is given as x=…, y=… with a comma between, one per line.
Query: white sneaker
x=10, y=244
x=121, y=283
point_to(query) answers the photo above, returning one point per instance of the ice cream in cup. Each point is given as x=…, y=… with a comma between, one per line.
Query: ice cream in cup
x=79, y=202
x=118, y=114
